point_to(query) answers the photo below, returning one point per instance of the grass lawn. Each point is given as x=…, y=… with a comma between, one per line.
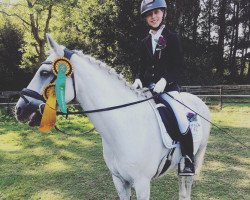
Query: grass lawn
x=56, y=166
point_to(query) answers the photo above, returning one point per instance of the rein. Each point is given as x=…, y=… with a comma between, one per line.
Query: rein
x=107, y=108
x=222, y=130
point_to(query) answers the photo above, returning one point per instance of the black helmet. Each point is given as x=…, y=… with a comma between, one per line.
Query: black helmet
x=148, y=5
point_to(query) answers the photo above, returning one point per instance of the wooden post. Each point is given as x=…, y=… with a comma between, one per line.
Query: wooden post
x=221, y=101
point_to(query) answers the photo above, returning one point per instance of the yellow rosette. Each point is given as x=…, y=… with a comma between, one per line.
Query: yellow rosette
x=49, y=114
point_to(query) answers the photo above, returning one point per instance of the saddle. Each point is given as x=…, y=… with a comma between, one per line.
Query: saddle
x=171, y=133
x=169, y=126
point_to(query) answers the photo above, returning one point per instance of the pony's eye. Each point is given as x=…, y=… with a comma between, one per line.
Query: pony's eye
x=44, y=73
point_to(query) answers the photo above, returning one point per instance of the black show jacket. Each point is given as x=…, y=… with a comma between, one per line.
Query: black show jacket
x=169, y=66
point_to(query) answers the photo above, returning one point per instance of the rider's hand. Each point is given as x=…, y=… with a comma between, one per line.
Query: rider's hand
x=137, y=83
x=160, y=85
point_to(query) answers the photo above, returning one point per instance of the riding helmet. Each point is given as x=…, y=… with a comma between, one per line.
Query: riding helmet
x=148, y=5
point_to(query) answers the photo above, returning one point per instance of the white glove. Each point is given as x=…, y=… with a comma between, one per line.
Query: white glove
x=137, y=83
x=160, y=85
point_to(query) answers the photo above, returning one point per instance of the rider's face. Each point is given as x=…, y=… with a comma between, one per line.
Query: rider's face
x=154, y=17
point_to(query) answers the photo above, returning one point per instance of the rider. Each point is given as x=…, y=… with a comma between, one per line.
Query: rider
x=161, y=62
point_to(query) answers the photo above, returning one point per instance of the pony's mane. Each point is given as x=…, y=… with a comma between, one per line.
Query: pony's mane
x=111, y=71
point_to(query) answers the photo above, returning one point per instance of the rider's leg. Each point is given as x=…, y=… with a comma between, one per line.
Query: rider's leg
x=187, y=149
x=186, y=139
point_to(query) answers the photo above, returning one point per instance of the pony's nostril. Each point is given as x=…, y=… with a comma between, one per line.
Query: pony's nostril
x=18, y=111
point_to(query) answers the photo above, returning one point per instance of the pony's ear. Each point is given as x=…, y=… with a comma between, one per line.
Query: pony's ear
x=54, y=46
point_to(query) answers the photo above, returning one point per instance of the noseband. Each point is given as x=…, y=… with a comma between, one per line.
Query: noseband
x=35, y=95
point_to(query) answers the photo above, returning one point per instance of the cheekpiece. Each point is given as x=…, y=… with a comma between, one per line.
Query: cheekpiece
x=62, y=61
x=47, y=90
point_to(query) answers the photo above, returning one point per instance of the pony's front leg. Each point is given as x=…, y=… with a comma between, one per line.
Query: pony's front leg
x=185, y=187
x=142, y=189
x=123, y=188
x=189, y=183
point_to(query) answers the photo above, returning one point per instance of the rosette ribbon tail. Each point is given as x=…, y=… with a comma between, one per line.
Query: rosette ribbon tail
x=49, y=114
x=60, y=88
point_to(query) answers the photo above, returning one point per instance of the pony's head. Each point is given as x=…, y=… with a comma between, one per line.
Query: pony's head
x=31, y=103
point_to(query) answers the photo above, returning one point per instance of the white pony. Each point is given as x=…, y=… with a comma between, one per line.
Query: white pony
x=131, y=138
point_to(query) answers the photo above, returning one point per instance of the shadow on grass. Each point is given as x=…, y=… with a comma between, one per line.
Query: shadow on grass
x=52, y=162
x=226, y=170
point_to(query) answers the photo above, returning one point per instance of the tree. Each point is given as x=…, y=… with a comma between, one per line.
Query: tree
x=11, y=40
x=221, y=35
x=34, y=17
x=215, y=33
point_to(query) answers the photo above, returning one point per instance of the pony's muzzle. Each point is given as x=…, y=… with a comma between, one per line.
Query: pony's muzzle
x=24, y=110
x=18, y=111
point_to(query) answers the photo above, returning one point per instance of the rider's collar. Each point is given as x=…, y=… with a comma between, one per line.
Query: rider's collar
x=153, y=33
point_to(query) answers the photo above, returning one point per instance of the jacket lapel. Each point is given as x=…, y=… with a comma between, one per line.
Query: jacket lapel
x=164, y=33
x=148, y=44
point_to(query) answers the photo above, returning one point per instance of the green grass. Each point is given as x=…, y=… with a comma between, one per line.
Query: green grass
x=56, y=166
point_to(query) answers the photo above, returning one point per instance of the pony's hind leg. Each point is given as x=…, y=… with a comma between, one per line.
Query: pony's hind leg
x=123, y=188
x=185, y=187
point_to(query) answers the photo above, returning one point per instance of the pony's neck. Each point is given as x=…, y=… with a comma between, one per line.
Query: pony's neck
x=99, y=86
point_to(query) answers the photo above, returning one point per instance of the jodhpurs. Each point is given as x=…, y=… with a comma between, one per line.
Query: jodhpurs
x=179, y=110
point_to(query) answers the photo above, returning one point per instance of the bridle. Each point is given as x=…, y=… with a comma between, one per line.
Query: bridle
x=35, y=95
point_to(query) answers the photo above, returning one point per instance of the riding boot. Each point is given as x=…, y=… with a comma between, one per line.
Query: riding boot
x=187, y=149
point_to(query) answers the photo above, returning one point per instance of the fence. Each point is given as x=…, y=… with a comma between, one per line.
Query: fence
x=218, y=94
x=7, y=101
x=8, y=96
x=221, y=93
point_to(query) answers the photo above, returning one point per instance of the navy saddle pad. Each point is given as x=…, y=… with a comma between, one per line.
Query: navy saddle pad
x=168, y=118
